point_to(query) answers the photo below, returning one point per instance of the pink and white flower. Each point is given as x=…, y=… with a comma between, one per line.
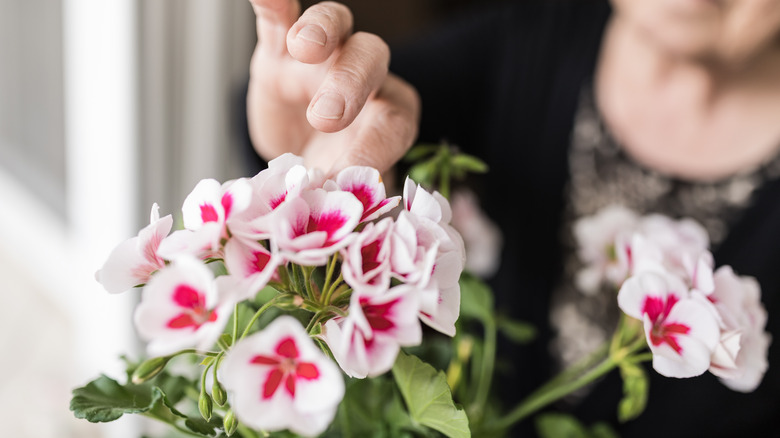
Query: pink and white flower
x=430, y=254
x=440, y=299
x=211, y=201
x=278, y=379
x=252, y=264
x=366, y=184
x=422, y=203
x=308, y=229
x=604, y=246
x=683, y=245
x=410, y=261
x=367, y=341
x=182, y=306
x=285, y=176
x=200, y=244
x=682, y=333
x=366, y=261
x=741, y=357
x=133, y=261
x=207, y=212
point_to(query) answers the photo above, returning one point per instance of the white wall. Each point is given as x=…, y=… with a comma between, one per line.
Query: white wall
x=148, y=88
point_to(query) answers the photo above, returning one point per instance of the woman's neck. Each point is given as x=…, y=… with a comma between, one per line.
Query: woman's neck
x=693, y=118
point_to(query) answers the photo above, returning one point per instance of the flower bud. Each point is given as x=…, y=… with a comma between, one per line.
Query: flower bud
x=219, y=394
x=205, y=405
x=148, y=369
x=230, y=422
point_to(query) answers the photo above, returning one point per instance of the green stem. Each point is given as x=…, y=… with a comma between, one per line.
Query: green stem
x=444, y=180
x=257, y=314
x=216, y=364
x=328, y=277
x=307, y=281
x=541, y=398
x=297, y=282
x=174, y=425
x=639, y=358
x=577, y=368
x=246, y=432
x=486, y=370
x=328, y=294
x=235, y=325
x=203, y=377
x=313, y=322
x=284, y=276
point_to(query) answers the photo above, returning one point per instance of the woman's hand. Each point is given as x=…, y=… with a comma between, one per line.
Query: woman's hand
x=323, y=92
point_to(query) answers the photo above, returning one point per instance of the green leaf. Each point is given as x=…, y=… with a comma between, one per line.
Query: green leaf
x=517, y=331
x=203, y=427
x=174, y=388
x=219, y=268
x=370, y=408
x=555, y=425
x=424, y=173
x=469, y=163
x=476, y=299
x=104, y=400
x=428, y=398
x=420, y=151
x=635, y=388
x=603, y=430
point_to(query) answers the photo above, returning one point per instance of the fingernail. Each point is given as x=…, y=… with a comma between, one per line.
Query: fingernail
x=329, y=106
x=314, y=34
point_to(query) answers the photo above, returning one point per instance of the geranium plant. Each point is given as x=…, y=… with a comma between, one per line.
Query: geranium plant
x=299, y=306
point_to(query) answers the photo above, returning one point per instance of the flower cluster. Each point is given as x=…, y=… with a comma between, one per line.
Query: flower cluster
x=695, y=318
x=328, y=246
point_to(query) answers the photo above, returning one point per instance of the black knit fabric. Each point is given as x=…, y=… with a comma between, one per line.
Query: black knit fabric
x=504, y=84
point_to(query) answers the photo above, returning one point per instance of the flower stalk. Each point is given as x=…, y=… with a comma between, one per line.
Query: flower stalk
x=626, y=346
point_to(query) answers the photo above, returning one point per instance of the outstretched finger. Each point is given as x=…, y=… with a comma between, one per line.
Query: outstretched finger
x=359, y=70
x=274, y=19
x=321, y=29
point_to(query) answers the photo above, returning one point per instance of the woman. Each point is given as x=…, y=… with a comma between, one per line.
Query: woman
x=676, y=105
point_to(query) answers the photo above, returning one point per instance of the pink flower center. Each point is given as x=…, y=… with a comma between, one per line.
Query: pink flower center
x=667, y=333
x=227, y=204
x=286, y=369
x=208, y=213
x=365, y=195
x=664, y=332
x=274, y=202
x=260, y=261
x=330, y=222
x=194, y=313
x=370, y=255
x=378, y=315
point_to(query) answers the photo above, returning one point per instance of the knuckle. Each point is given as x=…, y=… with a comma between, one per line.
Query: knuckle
x=352, y=76
x=401, y=123
x=374, y=44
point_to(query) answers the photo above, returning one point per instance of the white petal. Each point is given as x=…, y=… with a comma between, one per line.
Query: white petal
x=700, y=319
x=694, y=362
x=206, y=192
x=117, y=274
x=725, y=355
x=447, y=311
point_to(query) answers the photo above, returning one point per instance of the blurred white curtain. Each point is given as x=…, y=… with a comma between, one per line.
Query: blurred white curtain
x=194, y=63
x=105, y=107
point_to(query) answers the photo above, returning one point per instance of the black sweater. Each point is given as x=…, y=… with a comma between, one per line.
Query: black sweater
x=503, y=84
